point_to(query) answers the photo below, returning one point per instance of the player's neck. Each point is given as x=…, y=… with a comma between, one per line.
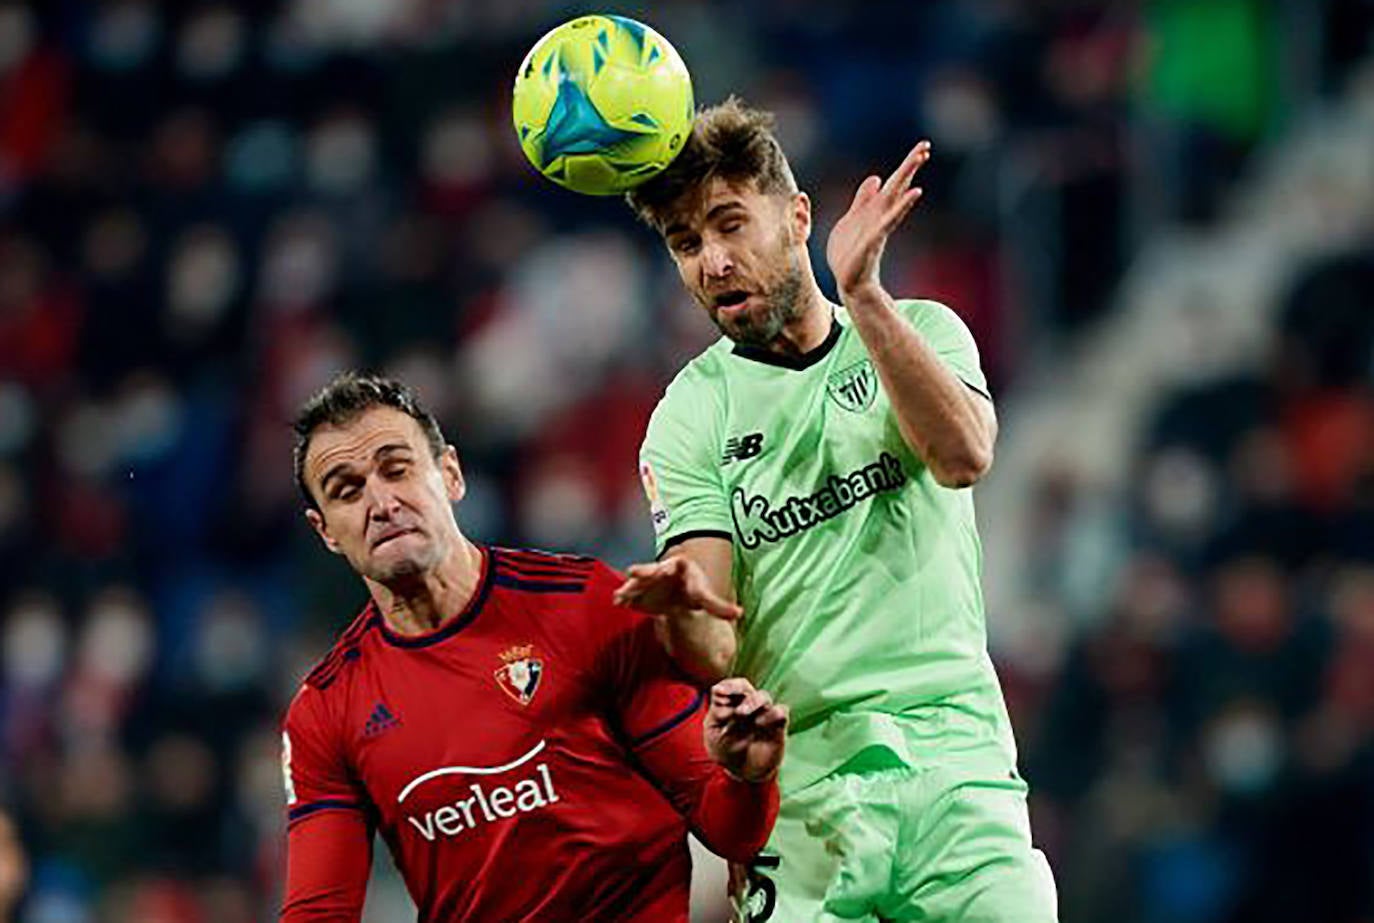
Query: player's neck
x=811, y=327
x=425, y=602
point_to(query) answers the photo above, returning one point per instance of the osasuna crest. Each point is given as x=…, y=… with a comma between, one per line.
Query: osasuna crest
x=854, y=387
x=520, y=675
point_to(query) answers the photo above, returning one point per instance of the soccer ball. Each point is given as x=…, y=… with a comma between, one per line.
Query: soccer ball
x=601, y=104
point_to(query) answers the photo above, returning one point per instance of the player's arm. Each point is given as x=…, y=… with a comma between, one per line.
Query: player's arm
x=719, y=767
x=713, y=753
x=691, y=586
x=327, y=863
x=692, y=592
x=945, y=420
x=329, y=835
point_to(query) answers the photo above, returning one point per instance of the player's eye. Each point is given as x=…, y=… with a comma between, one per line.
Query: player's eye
x=346, y=492
x=394, y=470
x=686, y=246
x=731, y=227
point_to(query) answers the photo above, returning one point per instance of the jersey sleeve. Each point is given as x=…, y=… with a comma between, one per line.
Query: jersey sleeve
x=327, y=864
x=659, y=714
x=950, y=338
x=679, y=467
x=316, y=771
x=329, y=828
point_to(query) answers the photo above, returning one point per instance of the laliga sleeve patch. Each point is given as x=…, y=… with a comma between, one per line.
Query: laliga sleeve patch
x=658, y=511
x=289, y=783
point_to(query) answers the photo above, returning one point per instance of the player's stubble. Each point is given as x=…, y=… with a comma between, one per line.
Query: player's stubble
x=782, y=302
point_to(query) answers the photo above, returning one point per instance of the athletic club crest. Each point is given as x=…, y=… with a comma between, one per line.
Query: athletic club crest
x=520, y=673
x=854, y=386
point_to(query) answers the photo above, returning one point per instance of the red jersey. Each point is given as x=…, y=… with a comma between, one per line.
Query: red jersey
x=537, y=757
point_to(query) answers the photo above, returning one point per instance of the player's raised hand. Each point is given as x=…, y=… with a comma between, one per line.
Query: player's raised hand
x=745, y=730
x=855, y=247
x=676, y=586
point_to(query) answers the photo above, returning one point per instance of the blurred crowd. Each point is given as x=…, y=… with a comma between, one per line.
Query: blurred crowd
x=1204, y=741
x=207, y=208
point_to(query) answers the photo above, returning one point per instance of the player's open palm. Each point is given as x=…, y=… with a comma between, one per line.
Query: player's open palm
x=676, y=586
x=855, y=248
x=745, y=730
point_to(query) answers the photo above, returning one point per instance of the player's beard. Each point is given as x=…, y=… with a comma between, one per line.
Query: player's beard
x=782, y=306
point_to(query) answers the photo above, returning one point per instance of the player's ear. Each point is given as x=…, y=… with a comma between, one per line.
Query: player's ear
x=452, y=473
x=800, y=217
x=316, y=520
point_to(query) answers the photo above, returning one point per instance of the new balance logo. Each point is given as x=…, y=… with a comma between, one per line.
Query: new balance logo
x=740, y=448
x=382, y=720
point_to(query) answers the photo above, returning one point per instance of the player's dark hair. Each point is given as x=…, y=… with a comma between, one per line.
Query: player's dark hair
x=343, y=400
x=730, y=140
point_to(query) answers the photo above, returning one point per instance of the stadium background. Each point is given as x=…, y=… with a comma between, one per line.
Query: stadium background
x=1156, y=216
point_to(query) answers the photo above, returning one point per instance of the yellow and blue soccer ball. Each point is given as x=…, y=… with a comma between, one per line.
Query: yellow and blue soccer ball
x=602, y=103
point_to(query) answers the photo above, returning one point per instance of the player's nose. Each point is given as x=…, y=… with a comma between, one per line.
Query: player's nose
x=716, y=260
x=382, y=500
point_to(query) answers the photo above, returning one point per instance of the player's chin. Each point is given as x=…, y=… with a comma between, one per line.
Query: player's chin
x=747, y=329
x=403, y=556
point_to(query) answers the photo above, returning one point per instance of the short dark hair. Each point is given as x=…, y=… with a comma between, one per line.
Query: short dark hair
x=343, y=400
x=729, y=140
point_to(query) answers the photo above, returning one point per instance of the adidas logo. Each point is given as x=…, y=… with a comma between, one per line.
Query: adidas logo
x=382, y=720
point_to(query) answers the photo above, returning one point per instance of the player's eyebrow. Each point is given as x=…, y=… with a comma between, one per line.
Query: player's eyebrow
x=677, y=227
x=724, y=207
x=680, y=227
x=341, y=468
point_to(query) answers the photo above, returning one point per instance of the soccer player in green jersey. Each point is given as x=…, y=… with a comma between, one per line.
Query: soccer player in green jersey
x=808, y=477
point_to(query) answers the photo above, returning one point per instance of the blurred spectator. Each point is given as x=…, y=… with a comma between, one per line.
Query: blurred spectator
x=14, y=869
x=1213, y=81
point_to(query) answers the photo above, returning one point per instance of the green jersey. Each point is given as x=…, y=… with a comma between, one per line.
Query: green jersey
x=858, y=573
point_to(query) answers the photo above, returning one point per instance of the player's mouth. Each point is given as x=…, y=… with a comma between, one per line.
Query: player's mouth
x=390, y=534
x=731, y=303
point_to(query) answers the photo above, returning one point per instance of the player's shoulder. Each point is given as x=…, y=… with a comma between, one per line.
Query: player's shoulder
x=927, y=312
x=570, y=595
x=704, y=371
x=695, y=388
x=536, y=572
x=346, y=651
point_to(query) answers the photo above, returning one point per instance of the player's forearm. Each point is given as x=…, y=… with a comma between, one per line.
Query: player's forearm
x=328, y=858
x=734, y=818
x=702, y=645
x=935, y=411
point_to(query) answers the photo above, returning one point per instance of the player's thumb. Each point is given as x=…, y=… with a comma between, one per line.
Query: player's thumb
x=704, y=598
x=866, y=190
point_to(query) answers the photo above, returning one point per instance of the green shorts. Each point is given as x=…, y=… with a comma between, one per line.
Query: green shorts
x=940, y=843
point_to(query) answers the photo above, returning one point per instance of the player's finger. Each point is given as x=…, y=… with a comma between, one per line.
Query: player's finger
x=914, y=160
x=732, y=689
x=772, y=718
x=754, y=702
x=867, y=189
x=901, y=208
x=720, y=608
x=701, y=595
x=652, y=569
x=632, y=589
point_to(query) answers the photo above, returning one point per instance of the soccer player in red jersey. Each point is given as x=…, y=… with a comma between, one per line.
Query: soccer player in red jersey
x=524, y=746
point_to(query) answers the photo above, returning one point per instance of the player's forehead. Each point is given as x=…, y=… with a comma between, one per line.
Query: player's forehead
x=358, y=440
x=712, y=198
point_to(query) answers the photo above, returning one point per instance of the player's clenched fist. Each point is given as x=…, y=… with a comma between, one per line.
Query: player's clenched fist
x=745, y=730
